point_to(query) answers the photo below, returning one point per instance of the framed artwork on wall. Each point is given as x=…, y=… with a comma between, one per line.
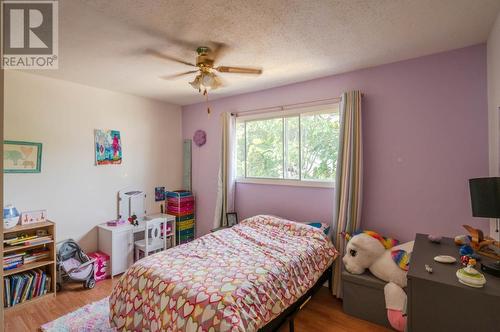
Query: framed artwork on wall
x=32, y=217
x=232, y=219
x=159, y=194
x=108, y=147
x=22, y=157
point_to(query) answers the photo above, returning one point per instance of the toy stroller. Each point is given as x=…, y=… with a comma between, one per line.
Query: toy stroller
x=73, y=265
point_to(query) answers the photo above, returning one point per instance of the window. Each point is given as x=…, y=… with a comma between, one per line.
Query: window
x=296, y=147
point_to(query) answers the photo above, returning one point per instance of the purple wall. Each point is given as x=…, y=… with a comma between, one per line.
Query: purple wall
x=425, y=133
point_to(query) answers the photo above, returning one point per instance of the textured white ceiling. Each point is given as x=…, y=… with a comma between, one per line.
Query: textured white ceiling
x=101, y=42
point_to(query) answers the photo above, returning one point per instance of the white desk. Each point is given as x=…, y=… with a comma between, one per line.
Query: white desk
x=118, y=241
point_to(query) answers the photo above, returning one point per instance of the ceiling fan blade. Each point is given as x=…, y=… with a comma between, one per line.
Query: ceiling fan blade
x=218, y=50
x=162, y=35
x=168, y=57
x=239, y=70
x=170, y=77
x=187, y=45
x=222, y=82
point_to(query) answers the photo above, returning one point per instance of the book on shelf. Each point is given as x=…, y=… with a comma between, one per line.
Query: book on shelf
x=14, y=255
x=12, y=266
x=26, y=241
x=14, y=240
x=6, y=293
x=13, y=261
x=25, y=286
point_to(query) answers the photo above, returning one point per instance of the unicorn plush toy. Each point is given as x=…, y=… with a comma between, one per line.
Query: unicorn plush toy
x=386, y=260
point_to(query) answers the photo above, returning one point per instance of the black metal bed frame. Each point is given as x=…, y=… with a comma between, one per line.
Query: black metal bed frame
x=290, y=313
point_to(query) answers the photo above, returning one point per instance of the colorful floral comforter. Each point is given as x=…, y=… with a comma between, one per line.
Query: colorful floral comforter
x=237, y=279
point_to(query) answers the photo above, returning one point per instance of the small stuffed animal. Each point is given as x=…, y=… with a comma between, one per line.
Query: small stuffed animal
x=387, y=261
x=133, y=220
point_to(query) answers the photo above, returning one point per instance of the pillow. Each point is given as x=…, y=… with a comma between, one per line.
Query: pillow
x=324, y=227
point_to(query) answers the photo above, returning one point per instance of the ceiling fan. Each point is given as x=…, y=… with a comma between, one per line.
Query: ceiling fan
x=206, y=59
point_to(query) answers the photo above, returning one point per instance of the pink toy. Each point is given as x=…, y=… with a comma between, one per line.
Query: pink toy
x=100, y=265
x=397, y=320
x=169, y=229
x=117, y=222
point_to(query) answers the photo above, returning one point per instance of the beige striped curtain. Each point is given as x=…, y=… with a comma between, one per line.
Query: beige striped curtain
x=226, y=177
x=348, y=185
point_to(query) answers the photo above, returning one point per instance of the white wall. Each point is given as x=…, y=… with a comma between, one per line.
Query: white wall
x=493, y=49
x=63, y=115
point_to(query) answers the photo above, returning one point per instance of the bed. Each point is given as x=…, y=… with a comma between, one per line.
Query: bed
x=249, y=277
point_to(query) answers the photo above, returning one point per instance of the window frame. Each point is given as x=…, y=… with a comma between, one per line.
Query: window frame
x=318, y=109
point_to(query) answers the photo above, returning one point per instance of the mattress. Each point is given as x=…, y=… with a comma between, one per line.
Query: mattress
x=236, y=279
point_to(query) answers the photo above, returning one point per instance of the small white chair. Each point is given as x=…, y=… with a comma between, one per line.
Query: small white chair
x=153, y=241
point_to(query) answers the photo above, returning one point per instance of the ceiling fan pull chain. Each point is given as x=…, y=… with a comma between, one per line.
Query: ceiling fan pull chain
x=205, y=93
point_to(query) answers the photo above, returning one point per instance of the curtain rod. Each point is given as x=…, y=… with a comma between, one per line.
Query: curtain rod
x=287, y=106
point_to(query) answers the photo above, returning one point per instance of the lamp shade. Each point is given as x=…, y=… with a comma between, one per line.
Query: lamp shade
x=485, y=197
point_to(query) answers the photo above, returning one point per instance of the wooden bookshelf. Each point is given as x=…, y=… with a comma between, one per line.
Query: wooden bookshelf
x=7, y=250
x=47, y=264
x=22, y=304
x=29, y=227
x=28, y=266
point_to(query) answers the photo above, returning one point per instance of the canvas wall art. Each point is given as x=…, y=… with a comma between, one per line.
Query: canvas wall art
x=22, y=157
x=108, y=147
x=159, y=194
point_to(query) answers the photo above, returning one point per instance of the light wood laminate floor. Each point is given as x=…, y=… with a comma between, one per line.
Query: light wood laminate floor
x=322, y=313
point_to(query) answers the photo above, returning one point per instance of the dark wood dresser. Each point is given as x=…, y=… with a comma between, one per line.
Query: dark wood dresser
x=439, y=302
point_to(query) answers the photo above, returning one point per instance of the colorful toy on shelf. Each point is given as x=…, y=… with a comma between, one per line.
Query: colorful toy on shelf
x=465, y=250
x=464, y=260
x=461, y=240
x=471, y=277
x=133, y=220
x=481, y=244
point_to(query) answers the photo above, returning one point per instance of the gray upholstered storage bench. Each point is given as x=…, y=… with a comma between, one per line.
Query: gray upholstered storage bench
x=364, y=297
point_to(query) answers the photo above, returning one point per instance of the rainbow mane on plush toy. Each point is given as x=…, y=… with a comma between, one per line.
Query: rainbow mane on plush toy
x=387, y=242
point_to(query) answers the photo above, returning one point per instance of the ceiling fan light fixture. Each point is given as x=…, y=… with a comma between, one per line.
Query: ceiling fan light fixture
x=206, y=81
x=206, y=78
x=217, y=82
x=210, y=81
x=196, y=83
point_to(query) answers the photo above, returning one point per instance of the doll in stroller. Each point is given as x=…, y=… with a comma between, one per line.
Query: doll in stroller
x=73, y=265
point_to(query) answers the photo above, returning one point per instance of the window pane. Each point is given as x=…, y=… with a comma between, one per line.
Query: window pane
x=292, y=148
x=320, y=136
x=265, y=148
x=240, y=149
